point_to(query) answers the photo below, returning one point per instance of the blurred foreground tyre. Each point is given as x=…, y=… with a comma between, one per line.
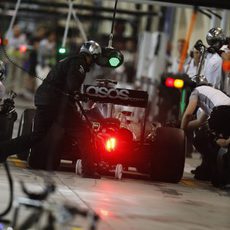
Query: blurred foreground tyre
x=168, y=155
x=25, y=127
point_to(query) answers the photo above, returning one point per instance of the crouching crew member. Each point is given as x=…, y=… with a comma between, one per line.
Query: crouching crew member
x=215, y=115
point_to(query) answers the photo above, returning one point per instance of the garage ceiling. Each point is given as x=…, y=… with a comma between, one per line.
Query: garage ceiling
x=221, y=4
x=85, y=9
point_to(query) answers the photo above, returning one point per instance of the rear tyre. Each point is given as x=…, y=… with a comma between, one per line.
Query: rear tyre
x=25, y=127
x=168, y=155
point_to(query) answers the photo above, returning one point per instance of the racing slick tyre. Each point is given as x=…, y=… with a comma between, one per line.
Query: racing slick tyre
x=168, y=155
x=118, y=171
x=78, y=168
x=25, y=127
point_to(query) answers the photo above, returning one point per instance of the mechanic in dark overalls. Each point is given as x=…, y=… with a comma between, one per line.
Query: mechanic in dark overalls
x=56, y=114
x=214, y=115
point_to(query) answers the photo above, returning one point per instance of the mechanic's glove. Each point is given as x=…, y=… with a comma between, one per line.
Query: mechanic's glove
x=78, y=96
x=222, y=142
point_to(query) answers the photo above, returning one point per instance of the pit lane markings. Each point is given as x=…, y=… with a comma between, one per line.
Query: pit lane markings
x=17, y=162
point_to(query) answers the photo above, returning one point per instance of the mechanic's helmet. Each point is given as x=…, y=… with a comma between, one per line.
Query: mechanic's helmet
x=92, y=48
x=216, y=38
x=2, y=71
x=198, y=80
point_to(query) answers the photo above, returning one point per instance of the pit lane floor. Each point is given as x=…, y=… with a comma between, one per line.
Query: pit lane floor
x=130, y=203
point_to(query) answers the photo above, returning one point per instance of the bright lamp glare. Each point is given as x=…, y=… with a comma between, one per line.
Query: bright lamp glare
x=178, y=83
x=104, y=212
x=62, y=50
x=110, y=144
x=113, y=61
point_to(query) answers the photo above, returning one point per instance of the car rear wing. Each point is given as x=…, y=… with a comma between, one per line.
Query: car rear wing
x=118, y=96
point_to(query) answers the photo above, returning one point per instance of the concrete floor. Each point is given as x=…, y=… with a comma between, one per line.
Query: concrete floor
x=130, y=203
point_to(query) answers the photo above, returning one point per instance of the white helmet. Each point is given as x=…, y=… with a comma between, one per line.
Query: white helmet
x=91, y=47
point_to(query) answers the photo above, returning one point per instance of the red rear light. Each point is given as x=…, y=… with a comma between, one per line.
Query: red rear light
x=110, y=144
x=169, y=82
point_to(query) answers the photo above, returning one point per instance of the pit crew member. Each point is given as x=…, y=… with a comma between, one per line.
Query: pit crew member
x=213, y=61
x=214, y=116
x=56, y=113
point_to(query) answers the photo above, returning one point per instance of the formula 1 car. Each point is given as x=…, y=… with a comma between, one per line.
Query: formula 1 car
x=159, y=153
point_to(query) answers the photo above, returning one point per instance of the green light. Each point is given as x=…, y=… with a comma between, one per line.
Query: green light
x=62, y=50
x=113, y=61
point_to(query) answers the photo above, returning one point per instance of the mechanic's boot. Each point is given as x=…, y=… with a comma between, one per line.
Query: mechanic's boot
x=221, y=178
x=203, y=173
x=88, y=168
x=92, y=175
x=196, y=170
x=203, y=176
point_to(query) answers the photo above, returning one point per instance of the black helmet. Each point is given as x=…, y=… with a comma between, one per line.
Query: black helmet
x=92, y=48
x=198, y=80
x=216, y=38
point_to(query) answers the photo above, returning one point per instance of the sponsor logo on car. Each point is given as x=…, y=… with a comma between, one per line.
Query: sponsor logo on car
x=108, y=92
